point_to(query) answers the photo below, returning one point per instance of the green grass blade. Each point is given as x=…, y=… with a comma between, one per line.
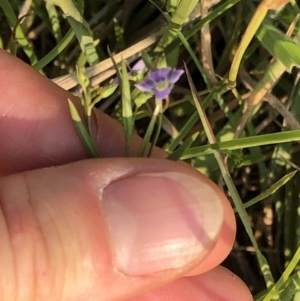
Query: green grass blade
x=188, y=125
x=290, y=289
x=86, y=40
x=175, y=155
x=149, y=132
x=284, y=277
x=271, y=190
x=80, y=28
x=186, y=45
x=19, y=34
x=158, y=103
x=127, y=114
x=83, y=134
x=194, y=58
x=230, y=185
x=212, y=16
x=183, y=132
x=54, y=21
x=280, y=46
x=182, y=12
x=241, y=143
x=63, y=43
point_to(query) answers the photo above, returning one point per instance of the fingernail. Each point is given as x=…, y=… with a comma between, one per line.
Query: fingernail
x=160, y=221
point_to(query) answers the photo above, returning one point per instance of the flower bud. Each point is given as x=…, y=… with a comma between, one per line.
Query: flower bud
x=142, y=98
x=108, y=90
x=161, y=62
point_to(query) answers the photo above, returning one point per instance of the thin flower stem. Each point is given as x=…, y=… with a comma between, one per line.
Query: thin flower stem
x=149, y=131
x=158, y=103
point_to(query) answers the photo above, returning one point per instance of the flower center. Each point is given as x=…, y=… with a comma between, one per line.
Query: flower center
x=162, y=85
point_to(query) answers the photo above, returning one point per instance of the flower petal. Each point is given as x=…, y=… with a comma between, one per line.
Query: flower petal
x=145, y=86
x=159, y=75
x=116, y=80
x=175, y=75
x=162, y=94
x=139, y=66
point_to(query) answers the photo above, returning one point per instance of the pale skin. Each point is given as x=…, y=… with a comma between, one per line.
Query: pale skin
x=53, y=236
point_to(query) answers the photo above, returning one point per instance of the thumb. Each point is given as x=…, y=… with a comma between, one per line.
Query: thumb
x=109, y=229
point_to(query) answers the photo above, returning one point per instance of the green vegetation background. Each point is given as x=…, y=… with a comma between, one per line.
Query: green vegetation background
x=234, y=115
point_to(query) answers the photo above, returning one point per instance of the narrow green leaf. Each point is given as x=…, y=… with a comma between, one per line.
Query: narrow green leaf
x=194, y=57
x=83, y=134
x=126, y=106
x=68, y=7
x=182, y=12
x=290, y=290
x=271, y=190
x=147, y=60
x=175, y=155
x=217, y=12
x=280, y=46
x=183, y=132
x=189, y=125
x=86, y=40
x=54, y=21
x=80, y=27
x=284, y=277
x=19, y=34
x=127, y=114
x=240, y=143
x=230, y=185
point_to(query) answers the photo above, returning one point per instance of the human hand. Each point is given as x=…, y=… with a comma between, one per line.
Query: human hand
x=129, y=229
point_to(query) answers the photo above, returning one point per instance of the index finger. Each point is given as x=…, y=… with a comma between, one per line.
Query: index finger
x=36, y=129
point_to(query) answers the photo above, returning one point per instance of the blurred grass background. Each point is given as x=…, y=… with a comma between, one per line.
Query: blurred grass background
x=243, y=61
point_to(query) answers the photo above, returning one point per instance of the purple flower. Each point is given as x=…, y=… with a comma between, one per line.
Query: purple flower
x=139, y=66
x=160, y=81
x=137, y=70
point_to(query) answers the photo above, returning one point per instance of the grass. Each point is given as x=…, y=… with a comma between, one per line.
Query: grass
x=234, y=116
